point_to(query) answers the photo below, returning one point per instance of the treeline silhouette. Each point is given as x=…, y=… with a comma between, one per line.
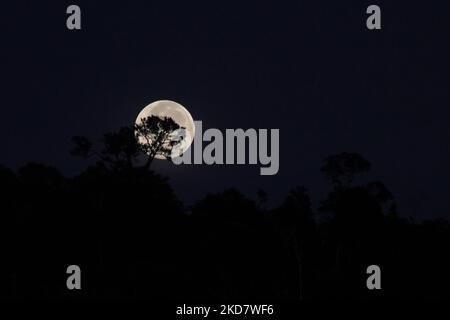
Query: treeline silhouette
x=132, y=238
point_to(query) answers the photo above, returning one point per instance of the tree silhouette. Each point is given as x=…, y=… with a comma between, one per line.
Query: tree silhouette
x=126, y=227
x=297, y=224
x=152, y=137
x=156, y=137
x=359, y=213
x=261, y=197
x=343, y=200
x=342, y=168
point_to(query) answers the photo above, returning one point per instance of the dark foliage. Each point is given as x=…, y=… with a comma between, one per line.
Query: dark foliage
x=133, y=239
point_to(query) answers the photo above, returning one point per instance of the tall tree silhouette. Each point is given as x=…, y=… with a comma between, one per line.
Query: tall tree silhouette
x=359, y=211
x=296, y=221
x=152, y=137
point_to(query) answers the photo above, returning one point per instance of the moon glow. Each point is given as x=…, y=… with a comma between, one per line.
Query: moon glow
x=179, y=114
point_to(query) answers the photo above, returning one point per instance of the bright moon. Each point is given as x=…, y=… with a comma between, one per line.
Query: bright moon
x=179, y=114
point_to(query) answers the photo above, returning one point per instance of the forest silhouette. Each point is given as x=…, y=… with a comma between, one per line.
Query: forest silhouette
x=123, y=225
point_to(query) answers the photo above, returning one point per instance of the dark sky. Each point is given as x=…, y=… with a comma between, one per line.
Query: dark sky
x=309, y=68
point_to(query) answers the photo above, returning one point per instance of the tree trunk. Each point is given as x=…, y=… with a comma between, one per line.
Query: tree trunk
x=148, y=163
x=298, y=257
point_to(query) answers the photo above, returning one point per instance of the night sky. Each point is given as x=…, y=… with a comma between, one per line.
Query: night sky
x=310, y=68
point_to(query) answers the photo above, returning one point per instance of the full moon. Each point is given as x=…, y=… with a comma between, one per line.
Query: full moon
x=179, y=114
